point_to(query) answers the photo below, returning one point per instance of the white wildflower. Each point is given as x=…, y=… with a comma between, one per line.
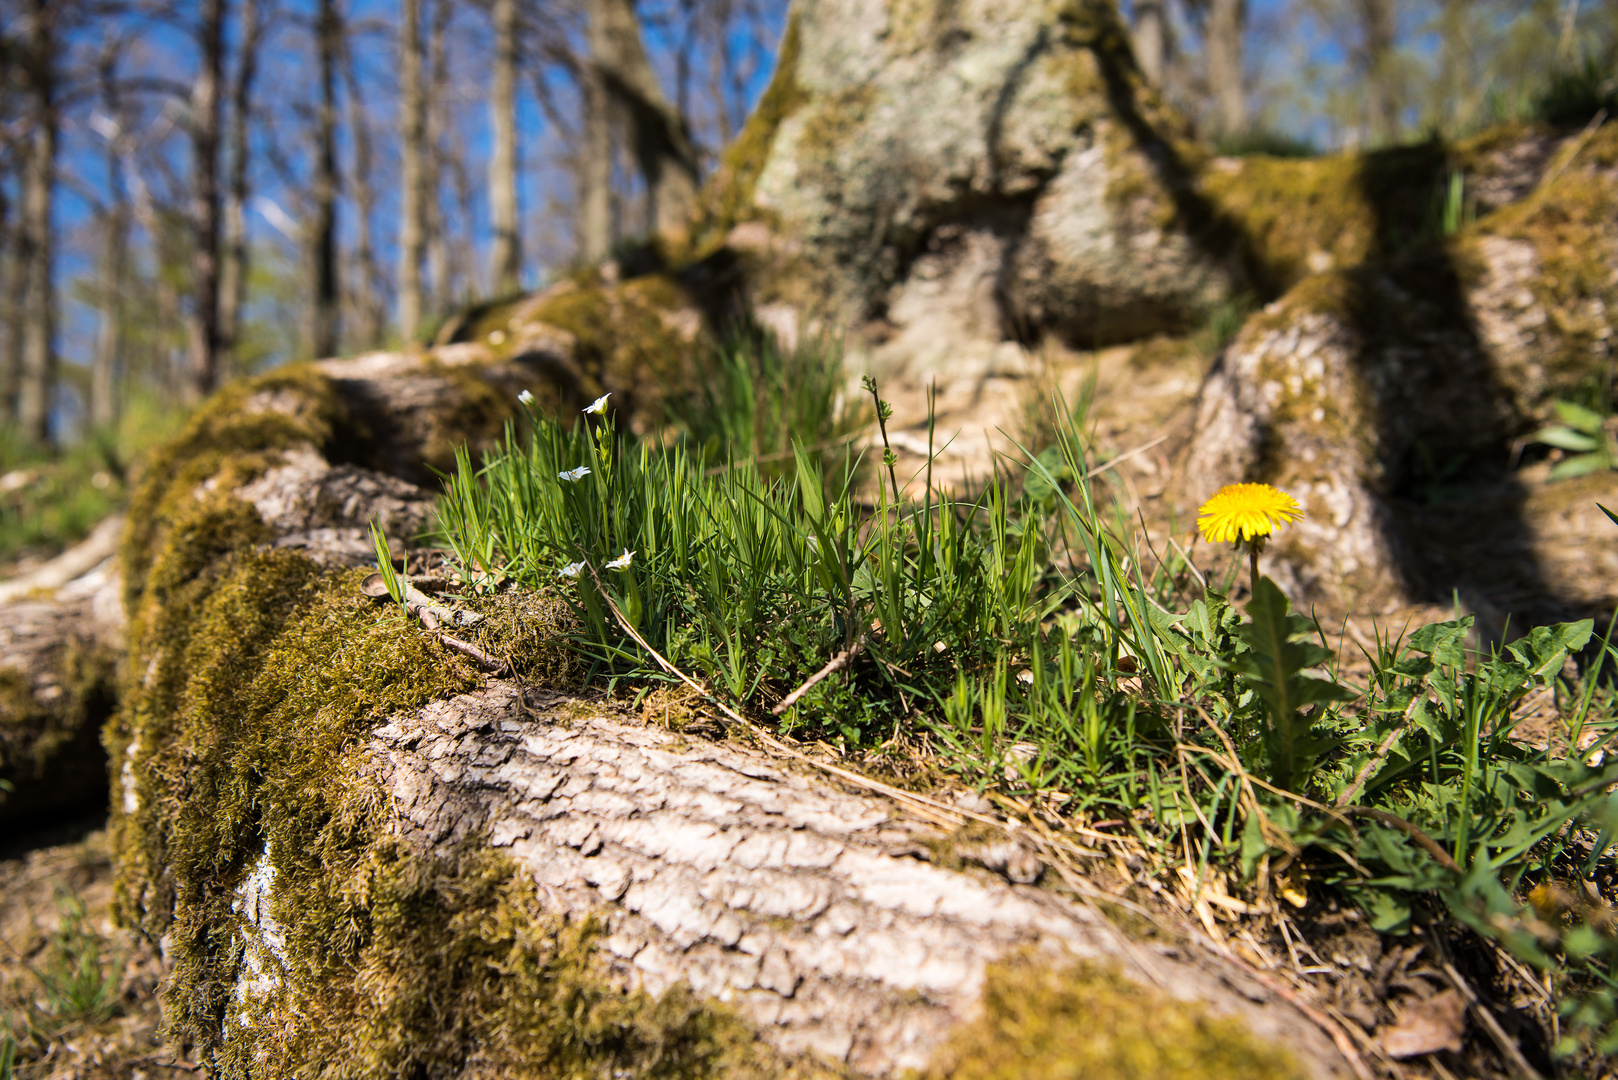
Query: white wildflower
x=525, y=398
x=599, y=405
x=573, y=476
x=622, y=561
x=570, y=570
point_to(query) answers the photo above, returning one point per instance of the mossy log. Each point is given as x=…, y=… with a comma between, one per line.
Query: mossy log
x=363, y=856
x=61, y=633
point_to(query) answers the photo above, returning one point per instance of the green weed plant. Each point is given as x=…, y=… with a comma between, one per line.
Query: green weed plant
x=1022, y=637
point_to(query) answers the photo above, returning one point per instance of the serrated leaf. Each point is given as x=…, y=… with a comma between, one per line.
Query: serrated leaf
x=1444, y=642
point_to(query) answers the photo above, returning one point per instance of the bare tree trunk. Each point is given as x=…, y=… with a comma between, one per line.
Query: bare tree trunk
x=438, y=263
x=1150, y=39
x=367, y=330
x=104, y=365
x=205, y=202
x=595, y=171
x=505, y=261
x=11, y=278
x=233, y=265
x=1226, y=22
x=1376, y=54
x=660, y=136
x=36, y=250
x=323, y=236
x=412, y=155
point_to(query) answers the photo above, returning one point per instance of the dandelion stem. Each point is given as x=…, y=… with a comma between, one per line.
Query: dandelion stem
x=1252, y=565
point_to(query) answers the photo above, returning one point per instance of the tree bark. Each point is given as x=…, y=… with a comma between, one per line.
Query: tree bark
x=505, y=260
x=1150, y=39
x=412, y=162
x=1375, y=63
x=206, y=111
x=1226, y=22
x=323, y=235
x=235, y=255
x=37, y=250
x=660, y=137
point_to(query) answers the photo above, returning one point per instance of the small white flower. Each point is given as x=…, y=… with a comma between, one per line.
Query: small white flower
x=573, y=476
x=599, y=405
x=570, y=570
x=526, y=398
x=622, y=561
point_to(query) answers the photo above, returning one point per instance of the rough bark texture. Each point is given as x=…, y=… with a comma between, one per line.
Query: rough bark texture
x=825, y=917
x=952, y=176
x=1366, y=387
x=206, y=113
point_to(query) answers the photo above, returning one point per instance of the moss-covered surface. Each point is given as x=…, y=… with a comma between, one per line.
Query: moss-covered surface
x=49, y=756
x=254, y=679
x=1087, y=1023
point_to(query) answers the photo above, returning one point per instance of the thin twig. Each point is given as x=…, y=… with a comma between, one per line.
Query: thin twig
x=833, y=666
x=485, y=661
x=1380, y=756
x=1121, y=458
x=1578, y=147
x=1423, y=841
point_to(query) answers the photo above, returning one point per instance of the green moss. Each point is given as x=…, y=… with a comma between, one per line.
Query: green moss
x=234, y=435
x=1572, y=225
x=623, y=342
x=1087, y=1023
x=48, y=753
x=727, y=198
x=527, y=630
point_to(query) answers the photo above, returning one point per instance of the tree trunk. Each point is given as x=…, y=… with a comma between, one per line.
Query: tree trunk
x=1226, y=23
x=505, y=261
x=1150, y=39
x=234, y=263
x=438, y=262
x=323, y=235
x=1375, y=62
x=206, y=109
x=412, y=160
x=104, y=367
x=659, y=136
x=367, y=330
x=595, y=170
x=36, y=251
x=11, y=279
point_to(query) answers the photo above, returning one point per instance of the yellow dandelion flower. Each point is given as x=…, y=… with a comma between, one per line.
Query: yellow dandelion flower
x=1246, y=512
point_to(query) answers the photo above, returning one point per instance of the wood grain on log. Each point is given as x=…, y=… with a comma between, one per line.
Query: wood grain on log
x=819, y=914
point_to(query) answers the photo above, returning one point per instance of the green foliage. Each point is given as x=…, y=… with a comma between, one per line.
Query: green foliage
x=1584, y=436
x=384, y=564
x=1279, y=650
x=78, y=981
x=52, y=499
x=753, y=397
x=1267, y=141
x=1575, y=93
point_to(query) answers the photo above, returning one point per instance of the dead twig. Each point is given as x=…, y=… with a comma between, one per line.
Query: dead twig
x=1381, y=754
x=1423, y=841
x=488, y=663
x=836, y=664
